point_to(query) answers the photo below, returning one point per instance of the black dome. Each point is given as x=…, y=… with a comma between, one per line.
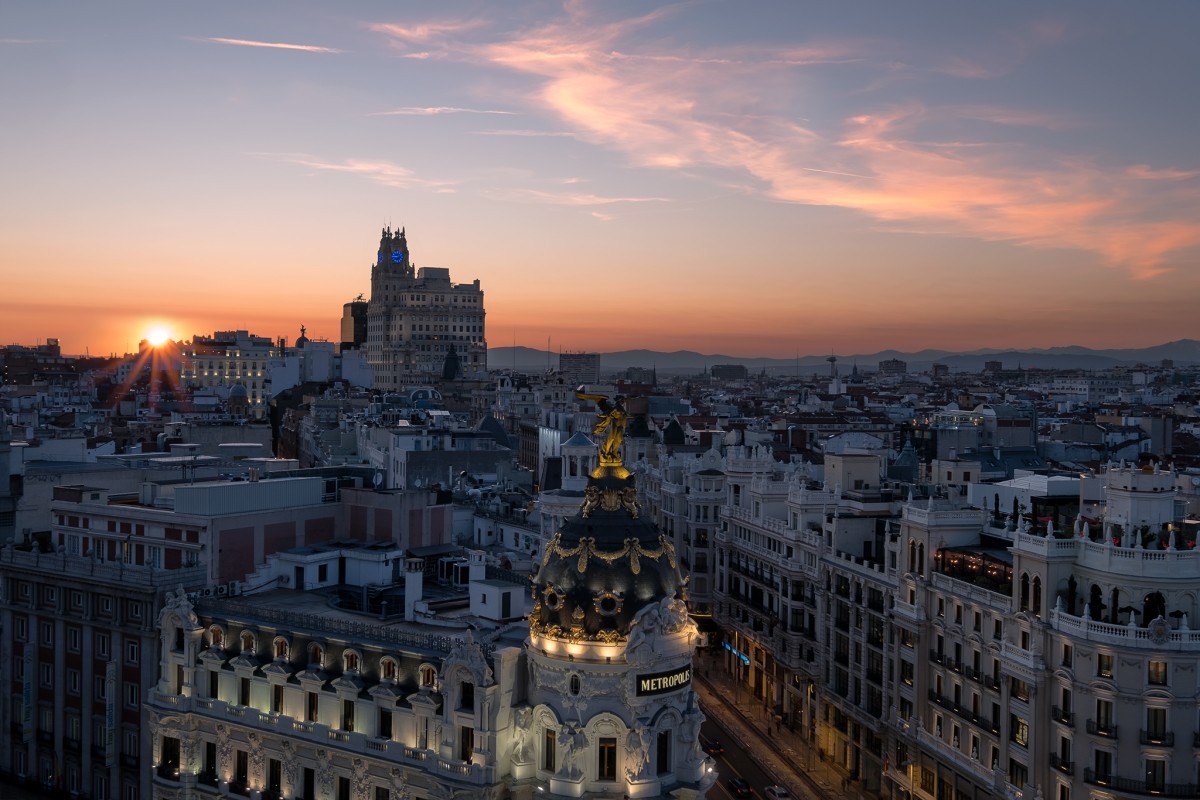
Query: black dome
x=603, y=566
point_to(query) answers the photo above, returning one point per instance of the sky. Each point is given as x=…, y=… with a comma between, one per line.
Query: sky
x=750, y=179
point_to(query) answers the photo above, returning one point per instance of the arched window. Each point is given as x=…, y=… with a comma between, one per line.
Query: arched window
x=921, y=558
x=428, y=676
x=1037, y=596
x=216, y=637
x=350, y=661
x=1153, y=607
x=316, y=655
x=388, y=669
x=912, y=555
x=281, y=648
x=1024, y=597
x=248, y=644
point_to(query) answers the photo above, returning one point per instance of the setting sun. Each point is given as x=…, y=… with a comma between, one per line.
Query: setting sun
x=158, y=335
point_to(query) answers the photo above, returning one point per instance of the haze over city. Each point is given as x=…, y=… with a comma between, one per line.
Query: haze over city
x=764, y=180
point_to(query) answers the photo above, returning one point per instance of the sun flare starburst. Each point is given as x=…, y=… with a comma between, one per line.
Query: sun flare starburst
x=158, y=335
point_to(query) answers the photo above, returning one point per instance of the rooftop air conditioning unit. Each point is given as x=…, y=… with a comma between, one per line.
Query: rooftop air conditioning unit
x=285, y=580
x=206, y=591
x=222, y=590
x=235, y=587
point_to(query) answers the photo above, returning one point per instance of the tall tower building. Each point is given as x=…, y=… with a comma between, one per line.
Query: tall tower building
x=415, y=315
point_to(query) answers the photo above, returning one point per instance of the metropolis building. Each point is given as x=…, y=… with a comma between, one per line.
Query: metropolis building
x=279, y=695
x=418, y=317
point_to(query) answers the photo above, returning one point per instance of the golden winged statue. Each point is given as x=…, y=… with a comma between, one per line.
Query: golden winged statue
x=611, y=419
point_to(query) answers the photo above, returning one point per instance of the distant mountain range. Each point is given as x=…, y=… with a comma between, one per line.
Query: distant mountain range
x=1184, y=352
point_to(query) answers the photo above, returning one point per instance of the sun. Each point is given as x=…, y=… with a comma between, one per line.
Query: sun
x=158, y=335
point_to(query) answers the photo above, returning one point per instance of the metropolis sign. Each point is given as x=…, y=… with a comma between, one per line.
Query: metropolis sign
x=661, y=682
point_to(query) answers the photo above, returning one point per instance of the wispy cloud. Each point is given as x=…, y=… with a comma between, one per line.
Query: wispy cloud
x=518, y=132
x=717, y=113
x=307, y=48
x=382, y=172
x=29, y=41
x=426, y=111
x=424, y=31
x=576, y=199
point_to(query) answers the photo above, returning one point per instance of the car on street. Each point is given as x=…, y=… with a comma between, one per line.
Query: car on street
x=777, y=792
x=738, y=787
x=713, y=747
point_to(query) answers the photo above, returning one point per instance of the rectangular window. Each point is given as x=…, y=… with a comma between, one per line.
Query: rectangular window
x=241, y=770
x=243, y=691
x=132, y=695
x=276, y=699
x=1018, y=773
x=548, y=750
x=664, y=752
x=466, y=742
x=1068, y=655
x=20, y=629
x=343, y=788
x=1156, y=724
x=347, y=715
x=1156, y=774
x=73, y=681
x=103, y=645
x=48, y=634
x=606, y=759
x=1156, y=673
x=384, y=729
x=382, y=793
x=1104, y=665
x=46, y=675
x=1019, y=728
x=311, y=706
x=132, y=653
x=73, y=640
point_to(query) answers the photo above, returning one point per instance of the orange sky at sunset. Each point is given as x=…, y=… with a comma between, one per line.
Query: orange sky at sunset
x=773, y=181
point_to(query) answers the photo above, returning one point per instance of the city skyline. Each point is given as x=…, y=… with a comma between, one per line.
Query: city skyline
x=774, y=182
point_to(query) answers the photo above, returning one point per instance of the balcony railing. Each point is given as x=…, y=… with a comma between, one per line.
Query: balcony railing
x=1102, y=728
x=1062, y=766
x=1065, y=717
x=1156, y=788
x=1165, y=738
